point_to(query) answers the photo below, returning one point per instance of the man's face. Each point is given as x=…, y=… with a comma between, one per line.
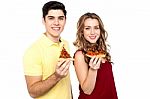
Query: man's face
x=54, y=23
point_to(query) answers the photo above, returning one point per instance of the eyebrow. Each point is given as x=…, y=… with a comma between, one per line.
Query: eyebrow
x=54, y=16
x=90, y=26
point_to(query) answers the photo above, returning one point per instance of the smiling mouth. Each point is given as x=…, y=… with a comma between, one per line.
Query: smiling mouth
x=56, y=28
x=92, y=37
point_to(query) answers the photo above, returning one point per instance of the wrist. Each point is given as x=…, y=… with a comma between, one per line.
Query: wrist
x=56, y=76
x=93, y=69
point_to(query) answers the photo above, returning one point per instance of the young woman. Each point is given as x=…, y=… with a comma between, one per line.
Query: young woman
x=94, y=73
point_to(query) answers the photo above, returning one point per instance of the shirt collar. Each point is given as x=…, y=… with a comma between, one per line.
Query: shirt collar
x=49, y=42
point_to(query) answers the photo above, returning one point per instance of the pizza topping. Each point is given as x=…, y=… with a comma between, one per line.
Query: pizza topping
x=64, y=54
x=91, y=53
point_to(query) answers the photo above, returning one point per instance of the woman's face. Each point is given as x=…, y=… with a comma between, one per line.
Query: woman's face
x=91, y=30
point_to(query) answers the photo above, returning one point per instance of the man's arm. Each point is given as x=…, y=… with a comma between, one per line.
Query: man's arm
x=38, y=87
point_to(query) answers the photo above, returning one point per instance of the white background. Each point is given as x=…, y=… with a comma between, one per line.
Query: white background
x=126, y=21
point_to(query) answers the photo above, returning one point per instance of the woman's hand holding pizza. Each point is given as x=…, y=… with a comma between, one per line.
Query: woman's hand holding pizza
x=95, y=62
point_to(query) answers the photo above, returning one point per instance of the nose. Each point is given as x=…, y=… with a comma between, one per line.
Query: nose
x=56, y=21
x=92, y=31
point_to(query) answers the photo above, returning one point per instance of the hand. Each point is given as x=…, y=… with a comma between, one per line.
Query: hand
x=62, y=67
x=95, y=62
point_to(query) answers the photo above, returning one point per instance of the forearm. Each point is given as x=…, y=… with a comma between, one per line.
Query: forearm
x=42, y=87
x=89, y=83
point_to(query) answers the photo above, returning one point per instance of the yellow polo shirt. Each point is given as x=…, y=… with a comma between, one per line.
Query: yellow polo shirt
x=41, y=59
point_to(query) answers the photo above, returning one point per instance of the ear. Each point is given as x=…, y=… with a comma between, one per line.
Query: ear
x=43, y=21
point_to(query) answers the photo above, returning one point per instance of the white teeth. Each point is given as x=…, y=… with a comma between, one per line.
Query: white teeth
x=56, y=28
x=92, y=37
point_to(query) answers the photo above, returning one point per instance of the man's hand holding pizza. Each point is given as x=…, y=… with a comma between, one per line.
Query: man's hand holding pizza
x=62, y=67
x=63, y=64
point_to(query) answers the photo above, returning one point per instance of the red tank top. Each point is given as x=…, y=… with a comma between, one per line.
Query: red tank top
x=105, y=85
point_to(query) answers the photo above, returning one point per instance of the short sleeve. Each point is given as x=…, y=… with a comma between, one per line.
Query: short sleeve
x=32, y=62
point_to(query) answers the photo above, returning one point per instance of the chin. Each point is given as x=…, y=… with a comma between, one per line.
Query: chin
x=92, y=41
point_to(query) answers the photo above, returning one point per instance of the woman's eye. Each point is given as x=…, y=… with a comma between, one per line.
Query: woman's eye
x=96, y=27
x=87, y=28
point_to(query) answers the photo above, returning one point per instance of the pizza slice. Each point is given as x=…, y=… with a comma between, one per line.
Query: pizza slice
x=100, y=53
x=65, y=54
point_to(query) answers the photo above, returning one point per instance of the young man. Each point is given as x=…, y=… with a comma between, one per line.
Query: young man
x=47, y=76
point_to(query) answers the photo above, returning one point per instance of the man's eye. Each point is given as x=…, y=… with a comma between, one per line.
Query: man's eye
x=50, y=18
x=61, y=18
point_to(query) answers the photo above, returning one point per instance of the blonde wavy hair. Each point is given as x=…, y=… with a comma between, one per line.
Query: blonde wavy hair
x=82, y=44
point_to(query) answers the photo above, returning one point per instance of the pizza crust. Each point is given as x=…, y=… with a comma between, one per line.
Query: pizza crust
x=100, y=55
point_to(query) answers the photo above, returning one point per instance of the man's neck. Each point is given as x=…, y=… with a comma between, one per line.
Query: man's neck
x=54, y=39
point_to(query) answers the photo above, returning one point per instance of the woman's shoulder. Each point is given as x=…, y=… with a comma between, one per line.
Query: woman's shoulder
x=78, y=53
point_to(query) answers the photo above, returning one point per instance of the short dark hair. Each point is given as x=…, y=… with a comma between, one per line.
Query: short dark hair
x=53, y=5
